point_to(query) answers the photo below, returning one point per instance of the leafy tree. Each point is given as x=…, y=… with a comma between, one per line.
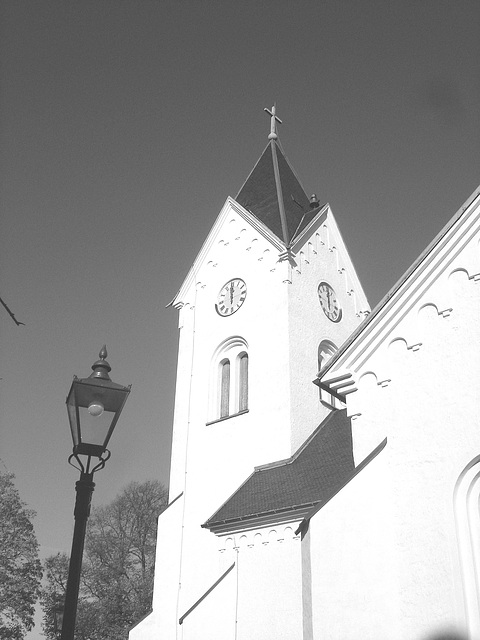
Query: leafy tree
x=53, y=595
x=118, y=565
x=20, y=568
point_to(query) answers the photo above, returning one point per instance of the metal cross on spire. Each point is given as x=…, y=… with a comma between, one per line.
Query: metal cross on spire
x=273, y=122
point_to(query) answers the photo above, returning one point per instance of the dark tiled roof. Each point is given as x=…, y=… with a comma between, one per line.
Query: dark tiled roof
x=319, y=468
x=260, y=195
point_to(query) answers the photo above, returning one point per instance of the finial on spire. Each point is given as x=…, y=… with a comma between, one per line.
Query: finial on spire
x=314, y=201
x=273, y=122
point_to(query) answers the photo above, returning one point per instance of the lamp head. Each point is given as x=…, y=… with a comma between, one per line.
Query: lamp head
x=94, y=405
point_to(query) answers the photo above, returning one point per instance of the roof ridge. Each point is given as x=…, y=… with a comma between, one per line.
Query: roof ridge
x=395, y=289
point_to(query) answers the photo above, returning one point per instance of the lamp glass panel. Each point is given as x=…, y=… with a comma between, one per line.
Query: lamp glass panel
x=111, y=399
x=94, y=429
x=72, y=416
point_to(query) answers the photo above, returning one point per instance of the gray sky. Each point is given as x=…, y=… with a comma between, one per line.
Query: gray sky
x=125, y=125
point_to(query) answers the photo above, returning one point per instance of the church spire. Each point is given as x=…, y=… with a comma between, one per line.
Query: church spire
x=273, y=193
x=278, y=183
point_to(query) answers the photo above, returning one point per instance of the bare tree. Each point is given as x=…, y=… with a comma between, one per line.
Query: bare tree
x=118, y=566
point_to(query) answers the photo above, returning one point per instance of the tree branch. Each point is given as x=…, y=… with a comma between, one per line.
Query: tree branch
x=10, y=313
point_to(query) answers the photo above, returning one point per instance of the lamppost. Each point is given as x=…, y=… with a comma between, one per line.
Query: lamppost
x=94, y=405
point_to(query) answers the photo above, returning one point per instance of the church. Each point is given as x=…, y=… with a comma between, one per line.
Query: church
x=325, y=469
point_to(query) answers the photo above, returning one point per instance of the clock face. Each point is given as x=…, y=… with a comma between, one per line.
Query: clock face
x=329, y=303
x=231, y=297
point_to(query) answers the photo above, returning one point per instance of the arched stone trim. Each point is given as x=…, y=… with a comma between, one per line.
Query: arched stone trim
x=467, y=521
x=228, y=379
x=326, y=349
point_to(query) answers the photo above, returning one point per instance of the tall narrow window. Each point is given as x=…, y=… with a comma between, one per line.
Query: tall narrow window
x=228, y=380
x=326, y=350
x=243, y=383
x=224, y=388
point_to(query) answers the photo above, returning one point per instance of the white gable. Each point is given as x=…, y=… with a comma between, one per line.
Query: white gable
x=426, y=287
x=232, y=220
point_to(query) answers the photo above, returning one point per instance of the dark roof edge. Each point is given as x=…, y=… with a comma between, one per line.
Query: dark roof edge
x=304, y=445
x=207, y=592
x=272, y=465
x=303, y=527
x=258, y=520
x=400, y=282
x=314, y=212
x=172, y=502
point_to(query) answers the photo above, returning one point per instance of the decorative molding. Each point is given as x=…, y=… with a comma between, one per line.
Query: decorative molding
x=431, y=305
x=230, y=207
x=259, y=537
x=467, y=521
x=409, y=291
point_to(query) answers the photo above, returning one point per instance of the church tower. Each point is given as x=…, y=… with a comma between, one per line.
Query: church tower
x=270, y=297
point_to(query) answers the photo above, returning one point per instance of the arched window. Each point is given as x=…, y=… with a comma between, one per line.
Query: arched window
x=228, y=394
x=326, y=350
x=224, y=388
x=467, y=520
x=243, y=382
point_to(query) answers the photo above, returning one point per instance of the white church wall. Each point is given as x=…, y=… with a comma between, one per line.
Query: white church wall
x=322, y=257
x=201, y=564
x=167, y=562
x=419, y=388
x=238, y=251
x=211, y=458
x=269, y=579
x=257, y=593
x=182, y=407
x=353, y=560
x=214, y=617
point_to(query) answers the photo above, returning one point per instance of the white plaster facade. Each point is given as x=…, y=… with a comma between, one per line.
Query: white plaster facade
x=280, y=326
x=394, y=554
x=407, y=527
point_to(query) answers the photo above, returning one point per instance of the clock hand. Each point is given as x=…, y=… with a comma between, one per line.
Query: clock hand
x=231, y=293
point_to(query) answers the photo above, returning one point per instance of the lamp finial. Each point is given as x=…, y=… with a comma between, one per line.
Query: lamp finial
x=101, y=368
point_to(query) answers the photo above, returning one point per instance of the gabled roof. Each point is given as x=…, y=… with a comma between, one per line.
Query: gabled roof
x=337, y=375
x=287, y=490
x=273, y=201
x=273, y=193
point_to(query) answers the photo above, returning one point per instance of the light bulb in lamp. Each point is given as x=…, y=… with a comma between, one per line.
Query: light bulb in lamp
x=95, y=408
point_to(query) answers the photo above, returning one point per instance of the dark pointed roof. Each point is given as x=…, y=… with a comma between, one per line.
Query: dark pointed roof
x=273, y=193
x=289, y=489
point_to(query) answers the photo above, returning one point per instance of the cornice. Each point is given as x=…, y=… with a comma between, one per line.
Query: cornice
x=278, y=517
x=268, y=535
x=339, y=374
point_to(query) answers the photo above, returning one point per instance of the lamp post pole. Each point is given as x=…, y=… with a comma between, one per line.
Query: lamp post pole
x=84, y=488
x=94, y=405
